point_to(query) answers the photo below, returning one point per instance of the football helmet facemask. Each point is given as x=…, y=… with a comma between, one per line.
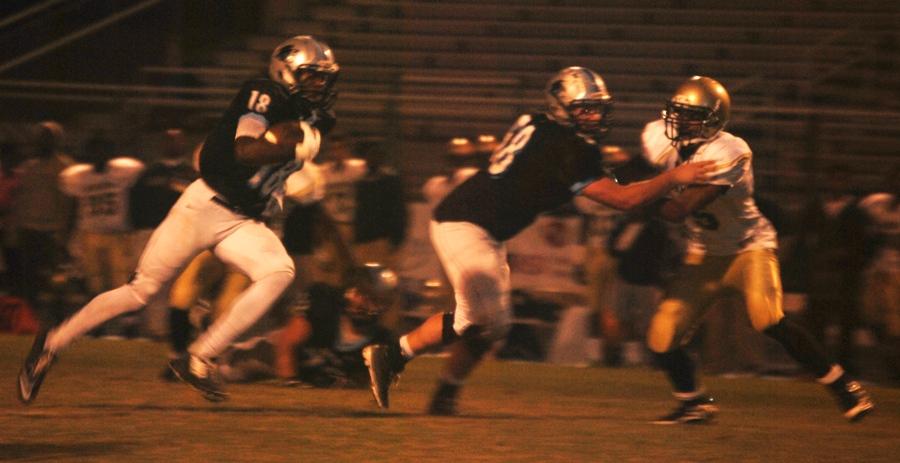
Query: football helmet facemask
x=578, y=97
x=698, y=110
x=307, y=69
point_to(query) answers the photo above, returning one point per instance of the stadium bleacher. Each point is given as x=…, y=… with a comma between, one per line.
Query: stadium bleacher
x=441, y=67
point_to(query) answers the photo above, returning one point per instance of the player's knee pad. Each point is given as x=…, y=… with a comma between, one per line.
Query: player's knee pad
x=284, y=268
x=279, y=280
x=476, y=341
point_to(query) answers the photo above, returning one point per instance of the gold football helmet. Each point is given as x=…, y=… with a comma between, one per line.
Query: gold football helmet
x=699, y=109
x=306, y=68
x=578, y=97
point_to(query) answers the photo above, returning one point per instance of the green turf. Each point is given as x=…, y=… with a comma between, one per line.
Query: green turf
x=102, y=402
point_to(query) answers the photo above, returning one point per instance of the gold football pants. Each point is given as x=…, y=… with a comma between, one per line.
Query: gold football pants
x=204, y=273
x=701, y=281
x=107, y=259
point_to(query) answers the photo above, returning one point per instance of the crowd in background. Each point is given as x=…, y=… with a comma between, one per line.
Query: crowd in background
x=72, y=220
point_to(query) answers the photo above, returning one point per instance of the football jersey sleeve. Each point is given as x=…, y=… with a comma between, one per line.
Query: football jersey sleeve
x=70, y=182
x=264, y=103
x=127, y=170
x=730, y=154
x=656, y=148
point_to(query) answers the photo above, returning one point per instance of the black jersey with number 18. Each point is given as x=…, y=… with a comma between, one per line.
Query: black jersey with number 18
x=250, y=188
x=539, y=166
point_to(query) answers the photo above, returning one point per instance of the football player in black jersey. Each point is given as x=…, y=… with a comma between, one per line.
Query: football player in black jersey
x=543, y=161
x=270, y=129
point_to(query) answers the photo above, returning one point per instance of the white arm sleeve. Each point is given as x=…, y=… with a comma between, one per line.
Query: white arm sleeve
x=251, y=125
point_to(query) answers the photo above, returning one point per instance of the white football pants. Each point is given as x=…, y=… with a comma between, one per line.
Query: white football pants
x=195, y=223
x=476, y=266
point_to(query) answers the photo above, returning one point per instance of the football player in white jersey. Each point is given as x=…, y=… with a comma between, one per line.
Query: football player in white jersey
x=271, y=128
x=544, y=160
x=102, y=185
x=731, y=247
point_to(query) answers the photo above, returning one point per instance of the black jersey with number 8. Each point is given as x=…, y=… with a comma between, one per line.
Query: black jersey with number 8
x=538, y=166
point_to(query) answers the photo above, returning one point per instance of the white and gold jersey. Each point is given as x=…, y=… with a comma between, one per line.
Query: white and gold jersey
x=103, y=197
x=731, y=223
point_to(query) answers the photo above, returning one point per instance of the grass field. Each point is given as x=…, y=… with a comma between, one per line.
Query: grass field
x=102, y=402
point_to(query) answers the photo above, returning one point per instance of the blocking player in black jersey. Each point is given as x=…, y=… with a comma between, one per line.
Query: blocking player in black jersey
x=543, y=161
x=271, y=128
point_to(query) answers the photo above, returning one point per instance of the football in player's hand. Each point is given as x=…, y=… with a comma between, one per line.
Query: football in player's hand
x=285, y=133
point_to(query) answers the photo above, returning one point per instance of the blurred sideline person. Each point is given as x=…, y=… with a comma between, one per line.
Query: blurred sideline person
x=731, y=248
x=102, y=185
x=271, y=129
x=881, y=291
x=320, y=345
x=42, y=216
x=10, y=182
x=600, y=266
x=163, y=182
x=379, y=225
x=342, y=170
x=542, y=162
x=380, y=220
x=836, y=252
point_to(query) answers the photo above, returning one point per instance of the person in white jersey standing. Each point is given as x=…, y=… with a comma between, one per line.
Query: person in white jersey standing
x=102, y=184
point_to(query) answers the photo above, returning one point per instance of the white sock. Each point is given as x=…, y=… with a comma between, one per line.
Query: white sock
x=451, y=380
x=405, y=349
x=105, y=306
x=833, y=374
x=686, y=396
x=249, y=307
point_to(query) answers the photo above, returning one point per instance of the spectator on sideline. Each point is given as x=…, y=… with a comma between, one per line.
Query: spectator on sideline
x=42, y=216
x=101, y=185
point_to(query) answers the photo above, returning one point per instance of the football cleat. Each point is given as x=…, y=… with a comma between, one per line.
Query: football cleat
x=385, y=362
x=201, y=375
x=168, y=375
x=443, y=403
x=855, y=401
x=697, y=411
x=36, y=366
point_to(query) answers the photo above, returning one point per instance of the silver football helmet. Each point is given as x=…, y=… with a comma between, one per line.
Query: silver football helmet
x=306, y=67
x=578, y=97
x=698, y=110
x=370, y=290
